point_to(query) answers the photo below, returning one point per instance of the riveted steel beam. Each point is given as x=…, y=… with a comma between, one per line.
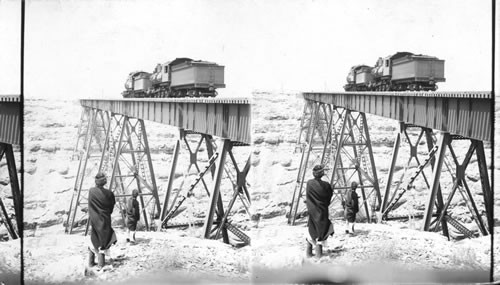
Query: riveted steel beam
x=10, y=119
x=226, y=118
x=467, y=114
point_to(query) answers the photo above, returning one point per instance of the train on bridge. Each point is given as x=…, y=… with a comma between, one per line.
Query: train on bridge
x=182, y=77
x=399, y=72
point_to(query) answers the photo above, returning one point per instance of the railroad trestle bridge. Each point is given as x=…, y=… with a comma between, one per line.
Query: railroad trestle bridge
x=112, y=138
x=334, y=132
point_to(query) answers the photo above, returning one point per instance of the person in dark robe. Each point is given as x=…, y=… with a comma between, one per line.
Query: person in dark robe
x=133, y=215
x=318, y=196
x=102, y=236
x=351, y=208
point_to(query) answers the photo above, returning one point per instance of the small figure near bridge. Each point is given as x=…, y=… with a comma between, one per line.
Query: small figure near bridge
x=318, y=196
x=351, y=208
x=101, y=204
x=133, y=215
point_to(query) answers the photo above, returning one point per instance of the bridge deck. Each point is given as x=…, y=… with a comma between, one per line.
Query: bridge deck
x=221, y=117
x=10, y=119
x=467, y=114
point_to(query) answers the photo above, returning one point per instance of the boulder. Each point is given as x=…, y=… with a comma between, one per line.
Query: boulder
x=286, y=162
x=258, y=139
x=35, y=148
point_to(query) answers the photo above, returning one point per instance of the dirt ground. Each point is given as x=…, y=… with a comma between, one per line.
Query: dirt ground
x=282, y=247
x=60, y=258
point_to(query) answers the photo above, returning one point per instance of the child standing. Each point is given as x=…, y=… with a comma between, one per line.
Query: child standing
x=351, y=208
x=133, y=215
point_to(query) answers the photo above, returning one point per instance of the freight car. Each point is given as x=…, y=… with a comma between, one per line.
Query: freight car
x=182, y=77
x=398, y=72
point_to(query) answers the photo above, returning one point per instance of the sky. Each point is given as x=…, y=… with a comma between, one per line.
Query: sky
x=10, y=47
x=85, y=49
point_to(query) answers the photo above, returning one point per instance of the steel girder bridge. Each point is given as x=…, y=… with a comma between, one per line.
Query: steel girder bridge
x=334, y=132
x=112, y=138
x=10, y=136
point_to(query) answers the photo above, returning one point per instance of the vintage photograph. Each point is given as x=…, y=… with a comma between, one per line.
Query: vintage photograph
x=302, y=141
x=11, y=203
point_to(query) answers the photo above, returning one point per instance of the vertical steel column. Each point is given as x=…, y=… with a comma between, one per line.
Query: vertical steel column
x=85, y=116
x=487, y=193
x=14, y=233
x=328, y=132
x=81, y=172
x=336, y=144
x=395, y=151
x=214, y=198
x=173, y=166
x=14, y=186
x=302, y=121
x=350, y=119
x=339, y=145
x=473, y=209
x=151, y=170
x=221, y=216
x=4, y=216
x=461, y=181
x=443, y=141
x=238, y=188
x=372, y=159
x=135, y=164
x=118, y=152
x=440, y=201
x=303, y=166
x=210, y=151
x=106, y=141
x=116, y=171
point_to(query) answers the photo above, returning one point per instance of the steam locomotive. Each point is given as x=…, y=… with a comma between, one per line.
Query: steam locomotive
x=182, y=77
x=399, y=72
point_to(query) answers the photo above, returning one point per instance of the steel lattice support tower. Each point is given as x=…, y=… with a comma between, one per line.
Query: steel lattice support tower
x=214, y=228
x=392, y=197
x=458, y=167
x=93, y=124
x=452, y=167
x=123, y=152
x=116, y=145
x=217, y=167
x=339, y=139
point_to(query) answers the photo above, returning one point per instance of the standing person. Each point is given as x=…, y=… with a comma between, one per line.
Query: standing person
x=318, y=196
x=351, y=208
x=133, y=215
x=101, y=204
